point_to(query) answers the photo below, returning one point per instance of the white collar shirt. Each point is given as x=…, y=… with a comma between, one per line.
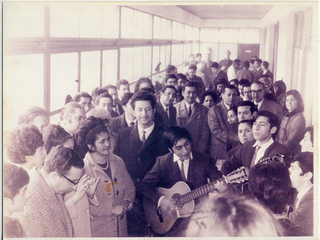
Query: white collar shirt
x=259, y=104
x=185, y=163
x=262, y=149
x=147, y=130
x=128, y=121
x=188, y=105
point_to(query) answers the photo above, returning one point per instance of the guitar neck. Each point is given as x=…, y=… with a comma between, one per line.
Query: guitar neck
x=198, y=192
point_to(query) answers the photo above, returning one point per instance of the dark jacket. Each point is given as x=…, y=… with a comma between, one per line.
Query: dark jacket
x=167, y=122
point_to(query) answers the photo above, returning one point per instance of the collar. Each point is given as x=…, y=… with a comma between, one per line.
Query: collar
x=163, y=105
x=259, y=104
x=290, y=114
x=188, y=105
x=228, y=107
x=176, y=158
x=148, y=130
x=63, y=123
x=128, y=121
x=265, y=145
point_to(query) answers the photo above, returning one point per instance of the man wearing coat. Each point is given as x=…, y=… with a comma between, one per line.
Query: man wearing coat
x=139, y=146
x=218, y=123
x=258, y=96
x=217, y=75
x=193, y=116
x=181, y=164
x=165, y=107
x=263, y=147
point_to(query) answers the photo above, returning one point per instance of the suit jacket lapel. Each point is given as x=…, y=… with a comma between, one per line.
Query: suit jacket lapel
x=135, y=139
x=196, y=111
x=151, y=138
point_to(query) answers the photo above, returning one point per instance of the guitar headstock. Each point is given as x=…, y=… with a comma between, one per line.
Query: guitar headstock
x=239, y=175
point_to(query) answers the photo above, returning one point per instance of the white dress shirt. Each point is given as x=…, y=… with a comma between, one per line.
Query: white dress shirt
x=262, y=149
x=147, y=130
x=185, y=163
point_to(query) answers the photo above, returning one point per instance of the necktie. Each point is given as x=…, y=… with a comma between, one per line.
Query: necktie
x=167, y=110
x=190, y=111
x=143, y=139
x=182, y=171
x=132, y=123
x=255, y=155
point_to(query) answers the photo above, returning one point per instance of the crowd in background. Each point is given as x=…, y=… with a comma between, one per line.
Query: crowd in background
x=87, y=176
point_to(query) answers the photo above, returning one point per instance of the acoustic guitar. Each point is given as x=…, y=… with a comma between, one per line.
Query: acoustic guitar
x=161, y=218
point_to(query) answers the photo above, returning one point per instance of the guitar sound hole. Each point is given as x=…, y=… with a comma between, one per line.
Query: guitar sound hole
x=176, y=198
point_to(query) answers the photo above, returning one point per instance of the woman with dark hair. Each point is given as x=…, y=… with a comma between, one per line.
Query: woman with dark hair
x=115, y=191
x=280, y=89
x=307, y=142
x=25, y=146
x=208, y=99
x=55, y=135
x=293, y=123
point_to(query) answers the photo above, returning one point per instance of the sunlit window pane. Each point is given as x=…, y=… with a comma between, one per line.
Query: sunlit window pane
x=232, y=47
x=126, y=64
x=156, y=27
x=126, y=22
x=65, y=21
x=109, y=67
x=180, y=27
x=64, y=72
x=163, y=28
x=23, y=19
x=162, y=57
x=137, y=63
x=156, y=57
x=177, y=51
x=146, y=61
x=195, y=47
x=169, y=29
x=168, y=55
x=110, y=22
x=174, y=30
x=249, y=35
x=90, y=70
x=195, y=34
x=147, y=33
x=188, y=33
x=138, y=24
x=91, y=21
x=23, y=83
x=229, y=35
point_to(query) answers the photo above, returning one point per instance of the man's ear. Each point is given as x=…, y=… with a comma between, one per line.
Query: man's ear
x=308, y=175
x=273, y=130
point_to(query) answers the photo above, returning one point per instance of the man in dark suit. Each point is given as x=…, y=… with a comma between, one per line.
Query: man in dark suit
x=264, y=127
x=218, y=123
x=125, y=120
x=193, y=116
x=257, y=71
x=116, y=106
x=165, y=107
x=226, y=63
x=139, y=146
x=218, y=74
x=206, y=69
x=301, y=176
x=181, y=164
x=105, y=101
x=259, y=98
x=191, y=76
x=266, y=71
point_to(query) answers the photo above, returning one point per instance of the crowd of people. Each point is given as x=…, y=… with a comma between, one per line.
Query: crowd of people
x=113, y=152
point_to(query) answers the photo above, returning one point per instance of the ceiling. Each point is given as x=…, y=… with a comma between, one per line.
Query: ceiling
x=227, y=11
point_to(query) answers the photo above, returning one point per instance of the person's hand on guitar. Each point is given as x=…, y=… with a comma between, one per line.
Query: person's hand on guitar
x=222, y=186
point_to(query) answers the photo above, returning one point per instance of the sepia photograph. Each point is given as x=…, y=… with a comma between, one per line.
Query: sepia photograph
x=160, y=119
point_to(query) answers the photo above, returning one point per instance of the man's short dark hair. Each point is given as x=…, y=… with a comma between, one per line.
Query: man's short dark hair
x=271, y=185
x=229, y=86
x=248, y=121
x=171, y=76
x=215, y=65
x=253, y=107
x=173, y=134
x=143, y=80
x=60, y=159
x=79, y=95
x=305, y=160
x=252, y=61
x=259, y=83
x=190, y=84
x=265, y=64
x=103, y=95
x=14, y=178
x=272, y=118
x=246, y=64
x=193, y=66
x=258, y=60
x=110, y=87
x=238, y=61
x=96, y=92
x=126, y=97
x=170, y=68
x=143, y=96
x=121, y=82
x=198, y=54
x=243, y=82
x=182, y=76
x=168, y=86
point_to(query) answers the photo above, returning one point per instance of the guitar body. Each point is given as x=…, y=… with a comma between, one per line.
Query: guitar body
x=169, y=215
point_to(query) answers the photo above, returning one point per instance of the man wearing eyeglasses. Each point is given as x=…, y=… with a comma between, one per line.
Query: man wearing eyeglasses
x=165, y=106
x=258, y=96
x=45, y=213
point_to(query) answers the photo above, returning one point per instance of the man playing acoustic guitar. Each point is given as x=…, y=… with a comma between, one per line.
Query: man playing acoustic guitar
x=162, y=207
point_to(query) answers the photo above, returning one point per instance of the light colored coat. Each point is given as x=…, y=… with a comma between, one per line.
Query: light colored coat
x=45, y=213
x=197, y=124
x=110, y=192
x=291, y=132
